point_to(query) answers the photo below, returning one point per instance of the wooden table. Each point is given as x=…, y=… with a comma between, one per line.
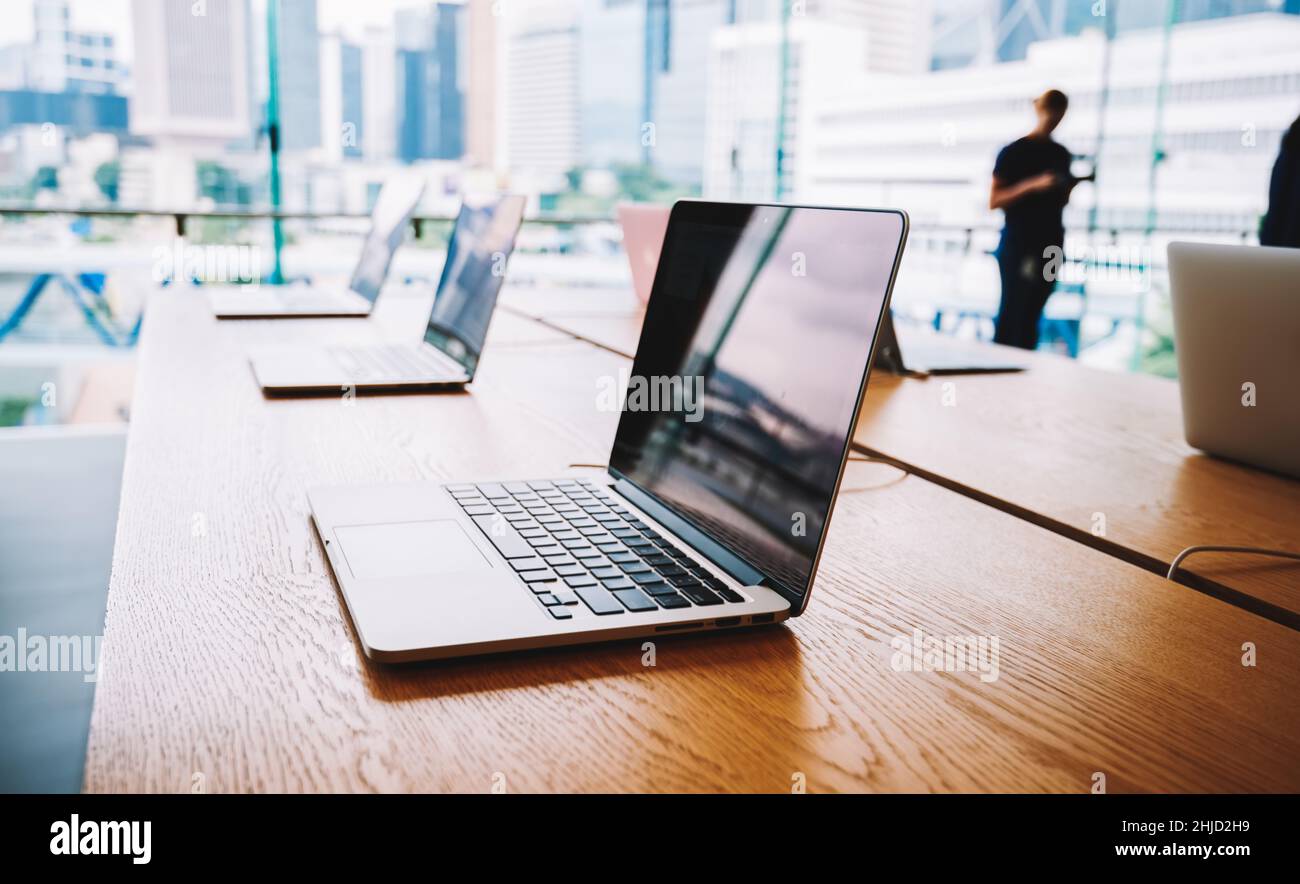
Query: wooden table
x=1094, y=455
x=1098, y=457
x=608, y=318
x=230, y=662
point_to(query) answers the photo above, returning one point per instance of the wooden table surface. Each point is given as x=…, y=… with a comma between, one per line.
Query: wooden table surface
x=230, y=664
x=1099, y=457
x=1095, y=455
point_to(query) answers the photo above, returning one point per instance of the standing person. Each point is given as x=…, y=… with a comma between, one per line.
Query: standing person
x=1281, y=225
x=1031, y=185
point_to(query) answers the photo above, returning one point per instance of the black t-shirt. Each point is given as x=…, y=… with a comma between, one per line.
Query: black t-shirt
x=1036, y=215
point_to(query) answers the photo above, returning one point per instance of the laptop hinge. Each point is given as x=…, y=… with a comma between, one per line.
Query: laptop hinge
x=697, y=539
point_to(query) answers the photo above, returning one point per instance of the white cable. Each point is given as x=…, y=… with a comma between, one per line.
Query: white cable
x=1250, y=550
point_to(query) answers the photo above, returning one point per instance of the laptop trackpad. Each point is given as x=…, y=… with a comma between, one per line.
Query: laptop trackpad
x=409, y=549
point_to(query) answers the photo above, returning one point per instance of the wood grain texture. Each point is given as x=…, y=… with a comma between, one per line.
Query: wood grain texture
x=1058, y=445
x=228, y=652
x=1083, y=451
x=609, y=318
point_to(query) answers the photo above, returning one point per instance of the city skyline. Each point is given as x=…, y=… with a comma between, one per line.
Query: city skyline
x=703, y=95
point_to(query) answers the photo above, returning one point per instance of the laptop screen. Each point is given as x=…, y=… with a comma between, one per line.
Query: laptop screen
x=397, y=200
x=752, y=359
x=480, y=246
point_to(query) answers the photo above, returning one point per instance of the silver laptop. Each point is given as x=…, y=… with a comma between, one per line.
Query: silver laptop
x=388, y=221
x=448, y=354
x=734, y=432
x=1237, y=339
x=932, y=354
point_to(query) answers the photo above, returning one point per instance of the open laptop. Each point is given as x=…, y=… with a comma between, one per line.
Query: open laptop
x=1237, y=339
x=448, y=354
x=644, y=227
x=397, y=200
x=931, y=354
x=720, y=486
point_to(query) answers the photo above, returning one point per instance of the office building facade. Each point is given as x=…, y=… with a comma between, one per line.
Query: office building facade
x=1230, y=90
x=351, y=72
x=973, y=32
x=431, y=82
x=63, y=59
x=299, y=76
x=196, y=84
x=543, y=122
x=378, y=87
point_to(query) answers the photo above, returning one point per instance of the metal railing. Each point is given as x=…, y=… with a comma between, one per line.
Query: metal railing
x=182, y=216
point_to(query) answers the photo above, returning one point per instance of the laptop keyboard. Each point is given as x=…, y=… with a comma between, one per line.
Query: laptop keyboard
x=572, y=543
x=739, y=542
x=396, y=361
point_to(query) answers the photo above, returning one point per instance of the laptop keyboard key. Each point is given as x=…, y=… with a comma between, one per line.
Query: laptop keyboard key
x=600, y=601
x=634, y=600
x=529, y=564
x=646, y=577
x=660, y=589
x=729, y=594
x=701, y=595
x=503, y=537
x=581, y=581
x=672, y=601
x=547, y=599
x=537, y=576
x=617, y=583
x=559, y=612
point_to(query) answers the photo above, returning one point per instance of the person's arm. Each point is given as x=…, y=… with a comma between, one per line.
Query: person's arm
x=1002, y=194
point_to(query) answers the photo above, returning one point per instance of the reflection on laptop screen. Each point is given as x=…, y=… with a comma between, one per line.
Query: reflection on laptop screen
x=477, y=253
x=763, y=318
x=397, y=200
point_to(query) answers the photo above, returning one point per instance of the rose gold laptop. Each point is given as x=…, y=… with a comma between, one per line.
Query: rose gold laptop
x=644, y=226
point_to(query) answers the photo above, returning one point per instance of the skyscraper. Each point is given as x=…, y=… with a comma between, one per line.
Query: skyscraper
x=378, y=85
x=543, y=128
x=341, y=114
x=193, y=83
x=61, y=59
x=971, y=32
x=430, y=82
x=482, y=85
x=678, y=35
x=299, y=74
x=611, y=80
x=351, y=65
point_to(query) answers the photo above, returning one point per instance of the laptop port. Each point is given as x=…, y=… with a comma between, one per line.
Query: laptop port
x=763, y=618
x=727, y=621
